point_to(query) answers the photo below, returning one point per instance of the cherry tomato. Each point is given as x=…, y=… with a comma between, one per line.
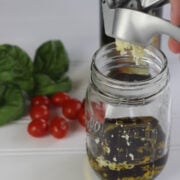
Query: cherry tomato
x=70, y=108
x=58, y=99
x=81, y=116
x=40, y=100
x=99, y=111
x=58, y=127
x=39, y=111
x=38, y=128
x=83, y=103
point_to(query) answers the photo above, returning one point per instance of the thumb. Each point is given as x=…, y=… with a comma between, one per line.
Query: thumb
x=175, y=19
x=175, y=12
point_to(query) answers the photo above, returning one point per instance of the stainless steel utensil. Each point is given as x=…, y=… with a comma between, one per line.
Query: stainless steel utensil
x=136, y=4
x=135, y=26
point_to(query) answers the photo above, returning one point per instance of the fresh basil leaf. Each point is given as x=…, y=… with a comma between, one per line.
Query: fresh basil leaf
x=46, y=86
x=16, y=67
x=51, y=59
x=12, y=103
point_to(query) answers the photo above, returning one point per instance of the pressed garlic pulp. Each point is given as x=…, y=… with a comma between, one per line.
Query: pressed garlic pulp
x=136, y=50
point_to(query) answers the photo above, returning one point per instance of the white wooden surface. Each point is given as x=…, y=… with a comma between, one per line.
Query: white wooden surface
x=28, y=23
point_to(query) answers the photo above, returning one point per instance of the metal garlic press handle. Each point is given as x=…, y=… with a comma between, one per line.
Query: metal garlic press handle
x=135, y=26
x=136, y=4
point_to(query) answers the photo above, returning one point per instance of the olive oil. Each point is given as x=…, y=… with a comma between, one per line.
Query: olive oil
x=128, y=149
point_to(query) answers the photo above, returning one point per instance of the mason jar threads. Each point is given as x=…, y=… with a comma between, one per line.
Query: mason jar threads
x=128, y=114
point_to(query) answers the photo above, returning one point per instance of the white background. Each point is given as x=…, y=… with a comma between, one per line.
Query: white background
x=28, y=23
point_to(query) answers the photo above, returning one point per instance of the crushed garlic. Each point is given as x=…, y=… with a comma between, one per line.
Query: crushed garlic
x=136, y=50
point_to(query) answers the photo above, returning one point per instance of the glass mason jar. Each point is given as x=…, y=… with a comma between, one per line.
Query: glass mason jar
x=128, y=114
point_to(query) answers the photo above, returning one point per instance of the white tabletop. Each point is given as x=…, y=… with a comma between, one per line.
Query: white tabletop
x=28, y=24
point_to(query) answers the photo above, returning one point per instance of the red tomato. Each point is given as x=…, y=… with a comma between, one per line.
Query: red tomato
x=81, y=116
x=58, y=99
x=83, y=103
x=40, y=100
x=70, y=108
x=38, y=112
x=38, y=128
x=59, y=127
x=99, y=111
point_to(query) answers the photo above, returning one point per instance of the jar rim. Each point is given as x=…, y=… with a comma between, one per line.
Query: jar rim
x=108, y=82
x=164, y=58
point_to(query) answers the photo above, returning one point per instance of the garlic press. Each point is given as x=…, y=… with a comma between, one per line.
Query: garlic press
x=135, y=26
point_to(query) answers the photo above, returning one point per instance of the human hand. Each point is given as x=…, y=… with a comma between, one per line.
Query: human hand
x=175, y=19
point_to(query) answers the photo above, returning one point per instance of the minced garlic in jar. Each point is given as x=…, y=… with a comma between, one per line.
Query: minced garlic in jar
x=137, y=51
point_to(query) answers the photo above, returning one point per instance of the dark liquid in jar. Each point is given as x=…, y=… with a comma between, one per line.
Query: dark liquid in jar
x=128, y=149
